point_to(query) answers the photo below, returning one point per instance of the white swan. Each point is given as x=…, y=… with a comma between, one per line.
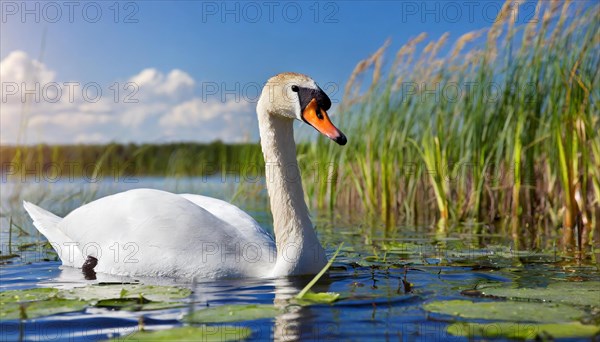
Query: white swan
x=147, y=232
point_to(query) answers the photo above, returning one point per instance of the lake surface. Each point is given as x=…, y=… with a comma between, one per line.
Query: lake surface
x=370, y=274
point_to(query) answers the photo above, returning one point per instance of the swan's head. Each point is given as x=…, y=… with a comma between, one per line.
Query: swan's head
x=297, y=96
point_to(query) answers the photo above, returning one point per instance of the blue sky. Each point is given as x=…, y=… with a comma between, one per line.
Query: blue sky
x=175, y=50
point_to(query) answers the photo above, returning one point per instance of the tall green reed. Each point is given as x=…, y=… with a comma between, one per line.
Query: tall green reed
x=490, y=155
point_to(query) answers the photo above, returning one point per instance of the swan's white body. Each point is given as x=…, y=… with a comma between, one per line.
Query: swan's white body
x=157, y=233
x=148, y=232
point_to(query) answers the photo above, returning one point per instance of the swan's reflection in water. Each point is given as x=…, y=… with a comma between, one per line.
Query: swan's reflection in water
x=288, y=324
x=296, y=322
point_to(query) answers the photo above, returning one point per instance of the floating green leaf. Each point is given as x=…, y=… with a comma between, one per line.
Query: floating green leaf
x=48, y=301
x=316, y=298
x=16, y=296
x=41, y=308
x=523, y=330
x=150, y=292
x=232, y=313
x=403, y=248
x=136, y=304
x=203, y=333
x=507, y=311
x=579, y=293
x=8, y=256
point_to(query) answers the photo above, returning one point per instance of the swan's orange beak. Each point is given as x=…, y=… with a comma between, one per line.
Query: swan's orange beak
x=318, y=118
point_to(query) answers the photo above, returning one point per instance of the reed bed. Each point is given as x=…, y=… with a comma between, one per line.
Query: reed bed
x=499, y=135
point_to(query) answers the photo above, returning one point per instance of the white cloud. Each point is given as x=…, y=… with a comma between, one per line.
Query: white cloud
x=98, y=107
x=190, y=111
x=209, y=120
x=197, y=111
x=177, y=80
x=146, y=77
x=134, y=116
x=152, y=82
x=93, y=138
x=164, y=108
x=72, y=120
x=17, y=67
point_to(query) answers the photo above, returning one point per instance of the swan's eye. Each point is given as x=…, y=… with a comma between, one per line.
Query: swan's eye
x=319, y=114
x=295, y=88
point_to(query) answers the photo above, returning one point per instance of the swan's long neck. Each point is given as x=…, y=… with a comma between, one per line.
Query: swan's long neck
x=298, y=249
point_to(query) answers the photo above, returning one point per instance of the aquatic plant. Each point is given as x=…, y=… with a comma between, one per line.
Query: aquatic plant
x=481, y=134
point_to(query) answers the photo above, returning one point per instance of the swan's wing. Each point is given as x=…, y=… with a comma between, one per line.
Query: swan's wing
x=231, y=214
x=156, y=233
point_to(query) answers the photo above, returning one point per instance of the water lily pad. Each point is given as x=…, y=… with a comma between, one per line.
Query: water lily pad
x=319, y=298
x=373, y=258
x=507, y=311
x=203, y=333
x=136, y=304
x=232, y=313
x=523, y=330
x=16, y=296
x=8, y=256
x=578, y=293
x=41, y=308
x=48, y=301
x=150, y=292
x=404, y=248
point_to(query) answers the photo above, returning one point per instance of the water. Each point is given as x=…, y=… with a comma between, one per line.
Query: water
x=375, y=304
